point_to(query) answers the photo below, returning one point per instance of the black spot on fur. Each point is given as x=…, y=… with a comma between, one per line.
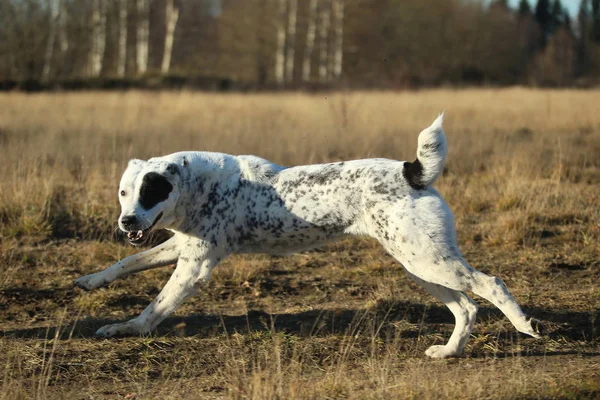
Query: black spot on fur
x=324, y=176
x=155, y=189
x=432, y=146
x=381, y=189
x=173, y=169
x=413, y=173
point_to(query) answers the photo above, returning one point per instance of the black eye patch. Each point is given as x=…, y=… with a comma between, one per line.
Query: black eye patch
x=155, y=188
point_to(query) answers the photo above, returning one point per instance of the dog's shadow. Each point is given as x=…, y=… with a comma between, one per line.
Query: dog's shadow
x=386, y=320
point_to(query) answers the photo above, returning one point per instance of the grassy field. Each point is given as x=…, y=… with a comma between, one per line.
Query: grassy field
x=522, y=177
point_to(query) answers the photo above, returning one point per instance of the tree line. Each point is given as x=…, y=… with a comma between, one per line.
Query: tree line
x=298, y=43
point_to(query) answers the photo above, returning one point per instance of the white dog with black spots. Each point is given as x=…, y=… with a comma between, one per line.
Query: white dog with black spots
x=217, y=204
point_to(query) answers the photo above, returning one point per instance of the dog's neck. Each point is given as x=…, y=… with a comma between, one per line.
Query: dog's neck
x=202, y=177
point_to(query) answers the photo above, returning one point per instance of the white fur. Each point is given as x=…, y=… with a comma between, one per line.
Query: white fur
x=433, y=160
x=222, y=204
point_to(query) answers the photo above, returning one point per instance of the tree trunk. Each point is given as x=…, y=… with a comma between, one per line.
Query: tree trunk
x=324, y=42
x=122, y=60
x=262, y=53
x=338, y=12
x=142, y=35
x=280, y=50
x=63, y=38
x=310, y=39
x=172, y=15
x=54, y=8
x=98, y=36
x=291, y=42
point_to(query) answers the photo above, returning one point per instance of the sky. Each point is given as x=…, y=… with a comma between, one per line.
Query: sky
x=571, y=5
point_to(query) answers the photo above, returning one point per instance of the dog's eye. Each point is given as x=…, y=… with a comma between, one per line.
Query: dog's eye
x=123, y=193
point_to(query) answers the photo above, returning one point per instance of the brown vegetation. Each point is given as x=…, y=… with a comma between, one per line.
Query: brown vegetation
x=522, y=178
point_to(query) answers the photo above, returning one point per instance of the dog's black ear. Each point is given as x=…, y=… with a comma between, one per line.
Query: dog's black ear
x=155, y=189
x=173, y=169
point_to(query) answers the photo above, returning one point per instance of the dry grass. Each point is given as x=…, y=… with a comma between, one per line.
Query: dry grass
x=523, y=178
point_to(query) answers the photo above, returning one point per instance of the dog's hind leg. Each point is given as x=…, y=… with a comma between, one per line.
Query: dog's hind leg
x=453, y=272
x=465, y=312
x=494, y=290
x=424, y=242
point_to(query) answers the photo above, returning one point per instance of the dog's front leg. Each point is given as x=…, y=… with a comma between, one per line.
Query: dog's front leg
x=193, y=270
x=159, y=256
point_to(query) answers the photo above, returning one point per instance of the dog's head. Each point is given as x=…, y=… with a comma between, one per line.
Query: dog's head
x=148, y=194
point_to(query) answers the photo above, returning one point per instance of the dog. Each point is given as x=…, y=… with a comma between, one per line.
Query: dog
x=218, y=204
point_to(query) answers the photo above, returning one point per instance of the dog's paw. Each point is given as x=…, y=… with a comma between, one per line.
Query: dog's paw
x=92, y=281
x=439, y=351
x=534, y=328
x=128, y=328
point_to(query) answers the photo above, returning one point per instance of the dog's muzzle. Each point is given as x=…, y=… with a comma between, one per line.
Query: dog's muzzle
x=138, y=237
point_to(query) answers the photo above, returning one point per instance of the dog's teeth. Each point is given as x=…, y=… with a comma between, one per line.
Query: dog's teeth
x=139, y=234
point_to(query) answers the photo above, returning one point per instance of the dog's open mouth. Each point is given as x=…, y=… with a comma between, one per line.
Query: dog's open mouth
x=139, y=237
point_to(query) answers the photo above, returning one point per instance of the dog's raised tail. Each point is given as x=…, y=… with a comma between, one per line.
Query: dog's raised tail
x=431, y=154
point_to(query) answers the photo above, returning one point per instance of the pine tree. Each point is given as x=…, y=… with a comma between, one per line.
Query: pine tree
x=524, y=8
x=566, y=21
x=583, y=42
x=596, y=21
x=557, y=16
x=544, y=19
x=583, y=19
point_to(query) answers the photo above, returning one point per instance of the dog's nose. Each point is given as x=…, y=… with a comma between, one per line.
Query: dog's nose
x=128, y=221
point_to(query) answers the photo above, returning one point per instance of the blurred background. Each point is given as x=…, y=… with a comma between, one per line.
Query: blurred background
x=256, y=44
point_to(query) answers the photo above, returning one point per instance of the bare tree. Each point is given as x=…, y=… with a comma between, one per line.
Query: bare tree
x=280, y=50
x=263, y=50
x=98, y=37
x=171, y=15
x=324, y=41
x=291, y=42
x=122, y=60
x=142, y=35
x=54, y=12
x=400, y=42
x=63, y=38
x=338, y=15
x=310, y=39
